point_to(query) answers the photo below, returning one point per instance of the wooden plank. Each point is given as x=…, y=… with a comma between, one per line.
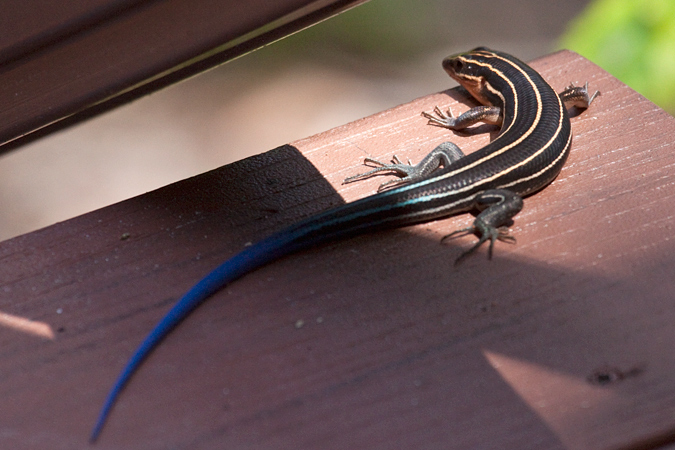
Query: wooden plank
x=562, y=341
x=26, y=30
x=112, y=54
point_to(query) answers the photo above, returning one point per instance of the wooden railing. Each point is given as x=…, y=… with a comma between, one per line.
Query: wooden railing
x=563, y=340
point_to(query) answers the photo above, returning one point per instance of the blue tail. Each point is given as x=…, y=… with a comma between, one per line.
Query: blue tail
x=367, y=214
x=248, y=260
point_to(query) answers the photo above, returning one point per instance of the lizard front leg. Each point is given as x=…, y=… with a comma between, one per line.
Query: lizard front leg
x=489, y=114
x=577, y=96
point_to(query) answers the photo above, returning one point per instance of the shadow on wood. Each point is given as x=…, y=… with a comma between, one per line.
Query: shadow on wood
x=562, y=341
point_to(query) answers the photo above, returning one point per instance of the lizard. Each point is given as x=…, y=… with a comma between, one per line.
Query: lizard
x=529, y=152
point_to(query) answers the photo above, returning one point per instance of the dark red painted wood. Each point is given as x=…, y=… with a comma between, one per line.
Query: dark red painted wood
x=564, y=340
x=65, y=61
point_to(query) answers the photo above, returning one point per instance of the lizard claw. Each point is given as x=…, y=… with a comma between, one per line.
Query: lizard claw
x=487, y=232
x=441, y=119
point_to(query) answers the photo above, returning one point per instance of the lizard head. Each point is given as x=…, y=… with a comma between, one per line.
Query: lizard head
x=475, y=71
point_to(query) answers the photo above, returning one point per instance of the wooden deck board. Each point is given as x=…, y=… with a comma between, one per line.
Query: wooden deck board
x=564, y=340
x=62, y=63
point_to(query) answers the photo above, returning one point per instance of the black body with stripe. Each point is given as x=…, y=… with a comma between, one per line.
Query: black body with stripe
x=527, y=155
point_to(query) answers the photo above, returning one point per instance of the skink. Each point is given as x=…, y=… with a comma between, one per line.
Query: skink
x=527, y=155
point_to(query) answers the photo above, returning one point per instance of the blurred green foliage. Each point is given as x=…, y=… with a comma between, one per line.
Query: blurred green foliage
x=387, y=30
x=633, y=40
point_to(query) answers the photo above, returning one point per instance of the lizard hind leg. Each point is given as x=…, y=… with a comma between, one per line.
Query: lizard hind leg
x=498, y=207
x=441, y=156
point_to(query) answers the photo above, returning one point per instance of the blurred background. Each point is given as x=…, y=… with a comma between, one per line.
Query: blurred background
x=375, y=56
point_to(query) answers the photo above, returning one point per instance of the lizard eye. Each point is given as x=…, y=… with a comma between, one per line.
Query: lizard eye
x=457, y=65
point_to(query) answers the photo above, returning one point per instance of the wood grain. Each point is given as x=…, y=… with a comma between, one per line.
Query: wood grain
x=65, y=62
x=564, y=340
